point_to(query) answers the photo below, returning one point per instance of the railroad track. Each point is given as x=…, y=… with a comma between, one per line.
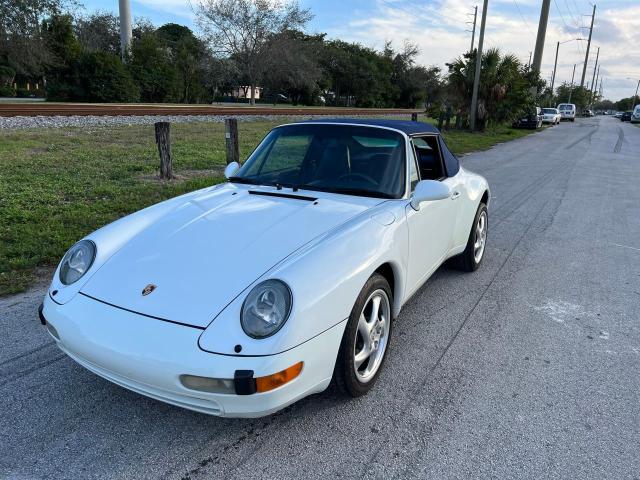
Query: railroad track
x=103, y=109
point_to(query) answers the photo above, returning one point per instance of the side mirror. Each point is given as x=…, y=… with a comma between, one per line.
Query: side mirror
x=231, y=169
x=427, y=191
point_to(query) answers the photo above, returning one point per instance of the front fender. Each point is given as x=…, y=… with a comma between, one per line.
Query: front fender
x=325, y=278
x=112, y=237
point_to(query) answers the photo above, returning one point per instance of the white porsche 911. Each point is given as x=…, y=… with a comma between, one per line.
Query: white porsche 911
x=239, y=299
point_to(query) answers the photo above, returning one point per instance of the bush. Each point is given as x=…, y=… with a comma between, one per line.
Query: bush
x=103, y=78
x=7, y=91
x=7, y=74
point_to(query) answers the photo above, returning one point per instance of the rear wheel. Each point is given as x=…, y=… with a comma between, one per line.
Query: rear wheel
x=366, y=338
x=471, y=258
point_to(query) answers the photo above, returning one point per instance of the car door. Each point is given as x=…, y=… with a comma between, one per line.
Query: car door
x=430, y=228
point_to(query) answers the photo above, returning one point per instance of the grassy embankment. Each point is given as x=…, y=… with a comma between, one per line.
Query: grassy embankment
x=57, y=185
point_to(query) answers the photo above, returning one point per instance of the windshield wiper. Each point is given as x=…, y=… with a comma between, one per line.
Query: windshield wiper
x=244, y=180
x=361, y=192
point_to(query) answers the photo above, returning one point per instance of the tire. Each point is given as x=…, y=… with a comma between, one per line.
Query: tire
x=350, y=380
x=468, y=261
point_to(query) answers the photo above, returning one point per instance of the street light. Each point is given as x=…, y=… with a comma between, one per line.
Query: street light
x=555, y=65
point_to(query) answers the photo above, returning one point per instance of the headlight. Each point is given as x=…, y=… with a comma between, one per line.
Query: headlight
x=266, y=309
x=77, y=261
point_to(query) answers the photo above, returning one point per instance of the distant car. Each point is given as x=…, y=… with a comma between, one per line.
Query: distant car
x=617, y=115
x=551, y=115
x=635, y=116
x=626, y=116
x=567, y=111
x=242, y=298
x=533, y=120
x=587, y=113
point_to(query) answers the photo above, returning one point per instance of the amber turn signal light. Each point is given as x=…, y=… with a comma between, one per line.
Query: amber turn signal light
x=270, y=382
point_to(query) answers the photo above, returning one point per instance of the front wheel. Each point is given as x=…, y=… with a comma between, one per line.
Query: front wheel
x=366, y=338
x=471, y=258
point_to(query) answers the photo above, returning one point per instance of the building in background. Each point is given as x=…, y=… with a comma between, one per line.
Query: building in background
x=245, y=92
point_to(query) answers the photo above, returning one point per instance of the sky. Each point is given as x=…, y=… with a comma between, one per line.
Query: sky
x=439, y=29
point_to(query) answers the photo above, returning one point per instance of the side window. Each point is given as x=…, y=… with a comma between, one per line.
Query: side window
x=414, y=178
x=429, y=158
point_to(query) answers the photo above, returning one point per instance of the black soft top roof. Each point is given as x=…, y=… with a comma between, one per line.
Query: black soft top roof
x=451, y=163
x=408, y=127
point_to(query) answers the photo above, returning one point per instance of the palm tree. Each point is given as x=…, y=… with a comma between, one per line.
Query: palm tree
x=503, y=90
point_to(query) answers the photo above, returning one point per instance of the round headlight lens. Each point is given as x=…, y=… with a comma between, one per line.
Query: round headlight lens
x=77, y=261
x=266, y=309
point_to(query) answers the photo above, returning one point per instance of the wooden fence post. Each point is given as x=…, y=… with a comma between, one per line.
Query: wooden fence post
x=163, y=139
x=231, y=138
x=414, y=117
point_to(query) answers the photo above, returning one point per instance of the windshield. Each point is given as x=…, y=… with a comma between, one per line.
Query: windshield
x=346, y=159
x=566, y=107
x=550, y=110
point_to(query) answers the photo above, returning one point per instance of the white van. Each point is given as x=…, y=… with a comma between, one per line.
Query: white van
x=635, y=116
x=567, y=111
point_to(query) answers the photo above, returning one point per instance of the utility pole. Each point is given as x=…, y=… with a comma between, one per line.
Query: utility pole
x=573, y=75
x=600, y=89
x=636, y=94
x=125, y=27
x=473, y=32
x=595, y=67
x=555, y=65
x=476, y=79
x=586, y=56
x=594, y=85
x=542, y=33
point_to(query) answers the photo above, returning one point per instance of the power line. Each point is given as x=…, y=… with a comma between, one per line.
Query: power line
x=560, y=12
x=522, y=17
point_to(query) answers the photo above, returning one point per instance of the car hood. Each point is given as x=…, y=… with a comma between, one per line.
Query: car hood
x=205, y=252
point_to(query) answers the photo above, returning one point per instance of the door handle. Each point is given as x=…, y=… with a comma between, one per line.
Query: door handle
x=455, y=195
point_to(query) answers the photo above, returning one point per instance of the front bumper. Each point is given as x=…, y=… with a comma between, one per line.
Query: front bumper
x=148, y=356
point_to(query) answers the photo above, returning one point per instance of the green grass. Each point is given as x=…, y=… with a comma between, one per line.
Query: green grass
x=461, y=142
x=57, y=185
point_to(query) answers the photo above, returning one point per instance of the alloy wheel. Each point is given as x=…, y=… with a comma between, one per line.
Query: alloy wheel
x=372, y=336
x=481, y=237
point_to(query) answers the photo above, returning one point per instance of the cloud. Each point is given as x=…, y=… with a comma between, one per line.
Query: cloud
x=438, y=28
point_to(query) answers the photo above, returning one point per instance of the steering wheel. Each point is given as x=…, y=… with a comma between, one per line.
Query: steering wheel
x=361, y=176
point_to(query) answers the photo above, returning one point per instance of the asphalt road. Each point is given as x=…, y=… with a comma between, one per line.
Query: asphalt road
x=528, y=368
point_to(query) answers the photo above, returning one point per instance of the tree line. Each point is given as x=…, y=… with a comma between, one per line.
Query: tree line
x=248, y=44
